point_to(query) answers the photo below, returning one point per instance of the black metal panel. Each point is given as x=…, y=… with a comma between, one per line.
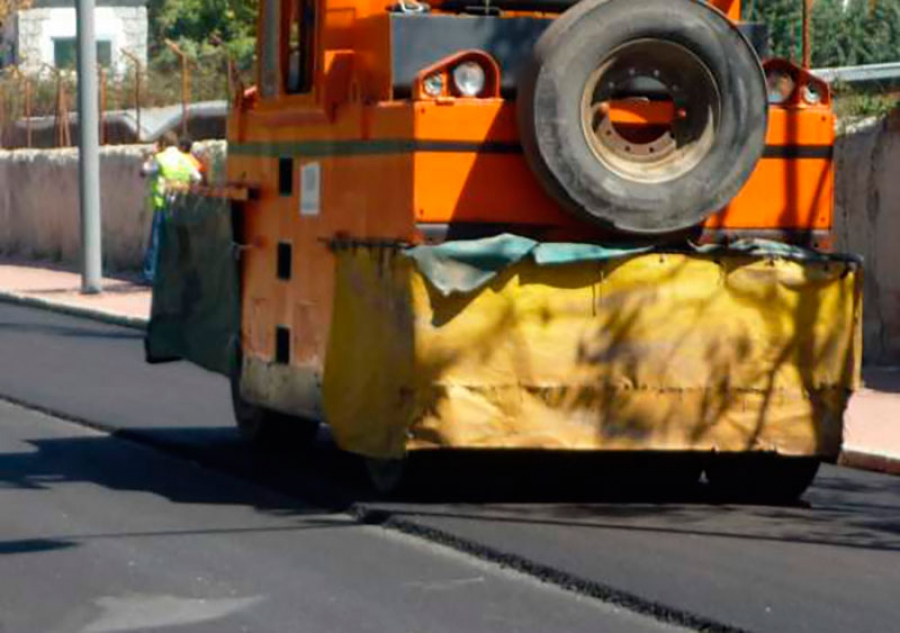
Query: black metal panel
x=474, y=6
x=284, y=263
x=794, y=152
x=418, y=41
x=286, y=176
x=282, y=345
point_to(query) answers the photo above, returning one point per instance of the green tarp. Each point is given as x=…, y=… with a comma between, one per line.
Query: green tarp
x=195, y=313
x=466, y=266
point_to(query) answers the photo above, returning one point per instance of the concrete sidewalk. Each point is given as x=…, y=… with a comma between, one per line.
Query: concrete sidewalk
x=872, y=431
x=123, y=301
x=872, y=422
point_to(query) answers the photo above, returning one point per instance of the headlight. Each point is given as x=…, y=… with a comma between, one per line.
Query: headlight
x=434, y=85
x=780, y=85
x=468, y=79
x=812, y=94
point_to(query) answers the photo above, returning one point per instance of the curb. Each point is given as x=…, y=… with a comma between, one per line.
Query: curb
x=870, y=461
x=112, y=318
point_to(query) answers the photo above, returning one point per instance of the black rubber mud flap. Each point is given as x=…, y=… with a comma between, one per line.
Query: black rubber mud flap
x=680, y=52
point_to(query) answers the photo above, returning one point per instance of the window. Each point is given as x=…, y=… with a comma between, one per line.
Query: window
x=299, y=66
x=269, y=48
x=65, y=52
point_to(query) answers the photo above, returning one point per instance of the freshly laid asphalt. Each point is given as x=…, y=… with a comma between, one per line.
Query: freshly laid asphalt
x=103, y=535
x=830, y=563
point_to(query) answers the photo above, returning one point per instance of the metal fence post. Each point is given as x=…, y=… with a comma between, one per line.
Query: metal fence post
x=137, y=91
x=805, y=28
x=27, y=88
x=185, y=84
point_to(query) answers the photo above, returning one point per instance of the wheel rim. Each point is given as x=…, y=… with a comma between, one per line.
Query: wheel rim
x=651, y=72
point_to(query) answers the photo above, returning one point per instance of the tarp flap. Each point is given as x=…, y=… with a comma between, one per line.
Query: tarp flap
x=195, y=314
x=466, y=266
x=657, y=351
x=768, y=248
x=555, y=253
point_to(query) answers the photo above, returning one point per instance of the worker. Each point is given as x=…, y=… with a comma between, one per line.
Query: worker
x=169, y=171
x=186, y=145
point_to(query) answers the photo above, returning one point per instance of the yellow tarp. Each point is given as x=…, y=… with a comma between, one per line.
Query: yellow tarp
x=653, y=352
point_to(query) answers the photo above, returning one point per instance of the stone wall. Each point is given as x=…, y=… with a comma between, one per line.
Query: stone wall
x=867, y=221
x=39, y=204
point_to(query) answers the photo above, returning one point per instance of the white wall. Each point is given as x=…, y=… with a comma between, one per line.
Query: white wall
x=123, y=27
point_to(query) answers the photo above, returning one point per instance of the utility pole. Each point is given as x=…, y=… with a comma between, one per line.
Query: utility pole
x=88, y=149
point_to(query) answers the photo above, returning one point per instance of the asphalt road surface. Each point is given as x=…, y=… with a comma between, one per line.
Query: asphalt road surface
x=175, y=493
x=102, y=535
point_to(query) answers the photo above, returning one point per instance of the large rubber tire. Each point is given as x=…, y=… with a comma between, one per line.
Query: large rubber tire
x=551, y=115
x=386, y=476
x=764, y=478
x=265, y=428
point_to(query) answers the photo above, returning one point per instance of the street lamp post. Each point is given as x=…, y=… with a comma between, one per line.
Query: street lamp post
x=88, y=149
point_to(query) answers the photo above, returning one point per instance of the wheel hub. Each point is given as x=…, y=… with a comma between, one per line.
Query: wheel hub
x=650, y=111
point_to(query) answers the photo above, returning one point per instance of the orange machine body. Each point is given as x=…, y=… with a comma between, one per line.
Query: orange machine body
x=346, y=154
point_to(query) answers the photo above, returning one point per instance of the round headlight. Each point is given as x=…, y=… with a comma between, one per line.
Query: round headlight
x=434, y=85
x=780, y=86
x=468, y=78
x=812, y=94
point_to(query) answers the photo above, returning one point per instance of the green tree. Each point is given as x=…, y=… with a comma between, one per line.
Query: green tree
x=782, y=17
x=199, y=26
x=858, y=32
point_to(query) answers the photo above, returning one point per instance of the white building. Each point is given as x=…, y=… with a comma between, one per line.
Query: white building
x=45, y=34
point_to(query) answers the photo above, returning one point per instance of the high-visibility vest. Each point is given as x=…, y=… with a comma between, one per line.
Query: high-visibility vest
x=175, y=168
x=196, y=163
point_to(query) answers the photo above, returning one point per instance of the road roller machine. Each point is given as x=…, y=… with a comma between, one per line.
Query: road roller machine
x=523, y=225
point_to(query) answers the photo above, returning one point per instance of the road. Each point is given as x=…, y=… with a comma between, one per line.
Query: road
x=101, y=534
x=831, y=563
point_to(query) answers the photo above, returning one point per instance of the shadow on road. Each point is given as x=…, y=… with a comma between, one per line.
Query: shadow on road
x=587, y=492
x=70, y=331
x=30, y=546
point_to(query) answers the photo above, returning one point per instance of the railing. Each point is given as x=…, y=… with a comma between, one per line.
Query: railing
x=33, y=102
x=860, y=74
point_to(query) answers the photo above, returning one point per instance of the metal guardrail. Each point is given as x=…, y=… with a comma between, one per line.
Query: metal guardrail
x=860, y=74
